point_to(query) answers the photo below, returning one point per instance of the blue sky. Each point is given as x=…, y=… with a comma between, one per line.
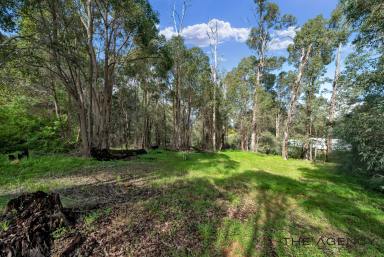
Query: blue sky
x=236, y=16
x=240, y=14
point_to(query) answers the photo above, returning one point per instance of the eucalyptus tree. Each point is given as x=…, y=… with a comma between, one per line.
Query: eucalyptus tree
x=367, y=18
x=238, y=83
x=83, y=45
x=311, y=87
x=198, y=91
x=362, y=86
x=190, y=77
x=213, y=35
x=273, y=86
x=240, y=90
x=268, y=20
x=178, y=59
x=179, y=55
x=121, y=26
x=145, y=79
x=341, y=29
x=281, y=95
x=312, y=40
x=52, y=41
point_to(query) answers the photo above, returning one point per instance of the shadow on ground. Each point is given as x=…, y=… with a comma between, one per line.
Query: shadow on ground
x=245, y=213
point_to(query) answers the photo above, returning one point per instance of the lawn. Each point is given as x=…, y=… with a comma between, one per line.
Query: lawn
x=224, y=204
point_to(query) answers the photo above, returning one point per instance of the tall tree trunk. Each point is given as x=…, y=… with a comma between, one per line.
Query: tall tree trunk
x=107, y=90
x=144, y=132
x=177, y=107
x=165, y=124
x=83, y=133
x=53, y=53
x=92, y=68
x=214, y=38
x=308, y=121
x=188, y=130
x=203, y=134
x=255, y=112
x=242, y=144
x=294, y=95
x=88, y=24
x=214, y=140
x=332, y=107
x=277, y=125
x=55, y=100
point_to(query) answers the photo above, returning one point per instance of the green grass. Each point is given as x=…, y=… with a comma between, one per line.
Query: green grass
x=43, y=173
x=232, y=203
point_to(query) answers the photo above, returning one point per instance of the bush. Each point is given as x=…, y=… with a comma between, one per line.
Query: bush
x=377, y=183
x=19, y=129
x=364, y=130
x=16, y=125
x=50, y=137
x=269, y=144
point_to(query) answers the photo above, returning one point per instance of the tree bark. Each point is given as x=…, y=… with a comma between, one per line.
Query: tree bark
x=188, y=129
x=92, y=68
x=277, y=125
x=55, y=100
x=294, y=95
x=214, y=36
x=177, y=106
x=332, y=107
x=109, y=39
x=214, y=140
x=254, y=140
x=85, y=150
x=308, y=121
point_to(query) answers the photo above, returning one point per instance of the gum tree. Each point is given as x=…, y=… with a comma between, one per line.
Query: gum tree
x=268, y=20
x=312, y=41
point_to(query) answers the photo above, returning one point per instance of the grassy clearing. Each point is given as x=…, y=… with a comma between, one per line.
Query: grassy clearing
x=43, y=173
x=230, y=203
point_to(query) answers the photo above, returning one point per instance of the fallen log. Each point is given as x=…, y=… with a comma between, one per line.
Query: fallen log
x=108, y=155
x=132, y=152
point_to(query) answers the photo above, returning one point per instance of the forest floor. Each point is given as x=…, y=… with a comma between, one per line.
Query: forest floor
x=200, y=204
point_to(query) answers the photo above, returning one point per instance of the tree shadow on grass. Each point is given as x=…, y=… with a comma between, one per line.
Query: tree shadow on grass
x=48, y=174
x=146, y=219
x=242, y=214
x=264, y=223
x=180, y=164
x=351, y=212
x=347, y=206
x=149, y=220
x=196, y=216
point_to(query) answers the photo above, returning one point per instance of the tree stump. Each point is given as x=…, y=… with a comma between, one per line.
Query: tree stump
x=32, y=219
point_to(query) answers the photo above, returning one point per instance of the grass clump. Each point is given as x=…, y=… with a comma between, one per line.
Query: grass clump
x=4, y=225
x=60, y=233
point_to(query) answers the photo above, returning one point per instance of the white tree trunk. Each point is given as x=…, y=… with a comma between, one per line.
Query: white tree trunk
x=293, y=101
x=255, y=112
x=213, y=35
x=332, y=107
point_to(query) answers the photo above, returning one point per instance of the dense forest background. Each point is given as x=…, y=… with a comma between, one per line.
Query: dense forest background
x=77, y=75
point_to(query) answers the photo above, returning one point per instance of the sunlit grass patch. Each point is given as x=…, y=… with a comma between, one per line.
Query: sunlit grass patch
x=228, y=203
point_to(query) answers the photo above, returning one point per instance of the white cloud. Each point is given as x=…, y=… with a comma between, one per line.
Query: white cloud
x=279, y=44
x=168, y=32
x=281, y=39
x=198, y=34
x=290, y=32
